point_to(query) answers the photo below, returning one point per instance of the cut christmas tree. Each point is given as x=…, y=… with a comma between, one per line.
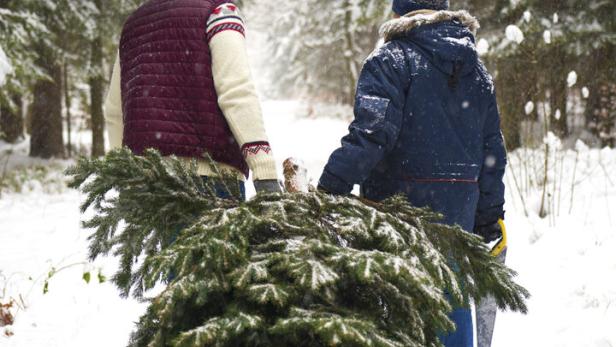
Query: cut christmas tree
x=302, y=269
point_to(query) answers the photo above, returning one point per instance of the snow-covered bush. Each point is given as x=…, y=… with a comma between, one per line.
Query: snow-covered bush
x=551, y=180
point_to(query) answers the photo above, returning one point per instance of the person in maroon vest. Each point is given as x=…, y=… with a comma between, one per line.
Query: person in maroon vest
x=182, y=85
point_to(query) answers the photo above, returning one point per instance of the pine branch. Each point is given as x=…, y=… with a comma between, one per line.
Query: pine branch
x=305, y=269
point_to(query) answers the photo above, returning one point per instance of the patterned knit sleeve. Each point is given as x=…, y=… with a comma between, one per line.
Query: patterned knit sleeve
x=226, y=17
x=237, y=95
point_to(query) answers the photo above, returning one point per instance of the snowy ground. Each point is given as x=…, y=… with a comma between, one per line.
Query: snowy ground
x=567, y=263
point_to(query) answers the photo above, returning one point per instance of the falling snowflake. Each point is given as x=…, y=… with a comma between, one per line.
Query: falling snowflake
x=490, y=161
x=585, y=92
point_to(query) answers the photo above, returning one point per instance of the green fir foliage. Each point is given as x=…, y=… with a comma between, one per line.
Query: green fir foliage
x=281, y=269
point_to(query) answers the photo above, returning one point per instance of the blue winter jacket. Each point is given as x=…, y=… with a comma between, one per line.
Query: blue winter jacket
x=426, y=123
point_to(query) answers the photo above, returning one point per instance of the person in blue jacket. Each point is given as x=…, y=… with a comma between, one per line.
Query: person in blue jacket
x=427, y=126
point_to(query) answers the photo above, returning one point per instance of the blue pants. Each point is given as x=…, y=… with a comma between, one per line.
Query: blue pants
x=463, y=336
x=458, y=203
x=222, y=193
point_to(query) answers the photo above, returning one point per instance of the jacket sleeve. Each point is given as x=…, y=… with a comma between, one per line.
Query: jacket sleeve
x=491, y=185
x=379, y=104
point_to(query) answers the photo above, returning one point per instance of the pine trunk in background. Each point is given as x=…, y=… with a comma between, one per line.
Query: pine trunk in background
x=350, y=53
x=11, y=120
x=559, y=125
x=96, y=97
x=558, y=96
x=512, y=130
x=511, y=106
x=47, y=140
x=67, y=106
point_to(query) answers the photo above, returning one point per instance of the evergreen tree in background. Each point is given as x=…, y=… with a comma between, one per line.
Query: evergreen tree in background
x=16, y=29
x=318, y=46
x=279, y=270
x=54, y=46
x=559, y=37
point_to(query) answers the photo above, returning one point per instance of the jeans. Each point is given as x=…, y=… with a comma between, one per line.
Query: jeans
x=463, y=336
x=222, y=193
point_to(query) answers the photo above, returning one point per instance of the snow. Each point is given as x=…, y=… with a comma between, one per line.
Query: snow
x=585, y=92
x=572, y=79
x=513, y=33
x=483, y=47
x=566, y=260
x=527, y=16
x=547, y=36
x=5, y=66
x=529, y=107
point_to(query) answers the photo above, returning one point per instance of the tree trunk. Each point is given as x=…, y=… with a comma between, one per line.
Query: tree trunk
x=511, y=122
x=511, y=104
x=350, y=53
x=11, y=120
x=558, y=98
x=46, y=140
x=67, y=106
x=96, y=98
x=559, y=127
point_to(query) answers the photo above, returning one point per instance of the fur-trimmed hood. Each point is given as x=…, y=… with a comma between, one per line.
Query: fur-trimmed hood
x=401, y=26
x=450, y=46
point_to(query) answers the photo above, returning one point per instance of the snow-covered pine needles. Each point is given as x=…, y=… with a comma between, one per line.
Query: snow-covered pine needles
x=281, y=269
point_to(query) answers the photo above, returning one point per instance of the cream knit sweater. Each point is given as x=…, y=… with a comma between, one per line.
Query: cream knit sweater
x=237, y=96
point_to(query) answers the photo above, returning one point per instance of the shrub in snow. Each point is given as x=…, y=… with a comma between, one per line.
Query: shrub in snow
x=304, y=269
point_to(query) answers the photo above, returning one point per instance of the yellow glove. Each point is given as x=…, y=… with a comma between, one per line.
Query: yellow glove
x=502, y=244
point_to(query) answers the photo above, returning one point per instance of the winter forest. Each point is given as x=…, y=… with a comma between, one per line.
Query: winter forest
x=102, y=247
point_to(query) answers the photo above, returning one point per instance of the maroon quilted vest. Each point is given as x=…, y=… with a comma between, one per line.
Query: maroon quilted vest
x=168, y=95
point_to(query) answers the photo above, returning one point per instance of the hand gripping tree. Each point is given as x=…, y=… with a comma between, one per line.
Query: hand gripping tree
x=303, y=269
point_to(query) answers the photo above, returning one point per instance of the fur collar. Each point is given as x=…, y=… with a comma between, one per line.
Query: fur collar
x=400, y=26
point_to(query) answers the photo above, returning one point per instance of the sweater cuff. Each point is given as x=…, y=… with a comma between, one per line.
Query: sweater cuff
x=261, y=160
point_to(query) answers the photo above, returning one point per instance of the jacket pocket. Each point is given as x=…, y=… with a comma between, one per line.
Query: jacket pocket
x=371, y=113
